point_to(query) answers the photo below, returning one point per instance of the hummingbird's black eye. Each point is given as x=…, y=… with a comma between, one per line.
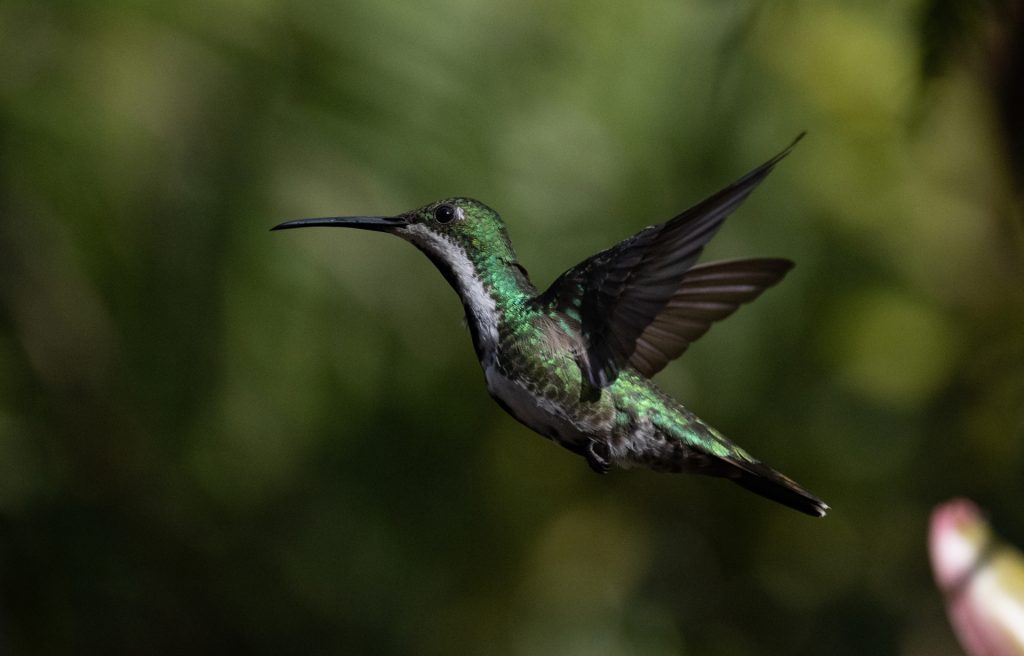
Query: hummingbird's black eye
x=444, y=213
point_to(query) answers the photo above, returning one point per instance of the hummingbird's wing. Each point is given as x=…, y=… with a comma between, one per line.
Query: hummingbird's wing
x=619, y=292
x=708, y=293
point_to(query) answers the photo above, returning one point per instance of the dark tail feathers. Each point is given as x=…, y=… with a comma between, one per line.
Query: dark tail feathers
x=770, y=484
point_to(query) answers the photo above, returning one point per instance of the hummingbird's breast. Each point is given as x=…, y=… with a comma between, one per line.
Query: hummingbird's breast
x=531, y=408
x=534, y=376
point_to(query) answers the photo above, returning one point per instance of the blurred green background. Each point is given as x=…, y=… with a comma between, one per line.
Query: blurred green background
x=217, y=438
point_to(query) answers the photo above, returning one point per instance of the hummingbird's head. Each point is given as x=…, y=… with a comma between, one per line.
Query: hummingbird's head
x=446, y=230
x=462, y=224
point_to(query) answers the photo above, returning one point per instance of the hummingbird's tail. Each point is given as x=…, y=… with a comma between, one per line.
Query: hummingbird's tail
x=762, y=479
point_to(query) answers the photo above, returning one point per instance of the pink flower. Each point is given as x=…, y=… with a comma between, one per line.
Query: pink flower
x=982, y=579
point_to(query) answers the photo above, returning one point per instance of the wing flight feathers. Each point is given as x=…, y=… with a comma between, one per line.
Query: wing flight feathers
x=619, y=295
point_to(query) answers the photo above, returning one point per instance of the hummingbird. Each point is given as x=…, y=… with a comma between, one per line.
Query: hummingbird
x=574, y=362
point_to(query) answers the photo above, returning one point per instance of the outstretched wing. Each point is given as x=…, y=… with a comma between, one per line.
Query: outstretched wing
x=707, y=293
x=619, y=292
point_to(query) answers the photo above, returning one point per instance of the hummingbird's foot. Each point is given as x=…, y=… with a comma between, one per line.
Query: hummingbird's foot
x=598, y=457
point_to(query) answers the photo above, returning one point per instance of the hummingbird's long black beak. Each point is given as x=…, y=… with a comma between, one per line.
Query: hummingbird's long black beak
x=382, y=223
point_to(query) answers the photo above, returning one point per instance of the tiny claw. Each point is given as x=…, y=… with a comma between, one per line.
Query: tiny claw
x=598, y=457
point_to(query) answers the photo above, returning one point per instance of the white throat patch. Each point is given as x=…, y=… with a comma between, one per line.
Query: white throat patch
x=476, y=299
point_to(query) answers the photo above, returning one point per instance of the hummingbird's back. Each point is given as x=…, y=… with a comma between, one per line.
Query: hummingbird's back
x=658, y=432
